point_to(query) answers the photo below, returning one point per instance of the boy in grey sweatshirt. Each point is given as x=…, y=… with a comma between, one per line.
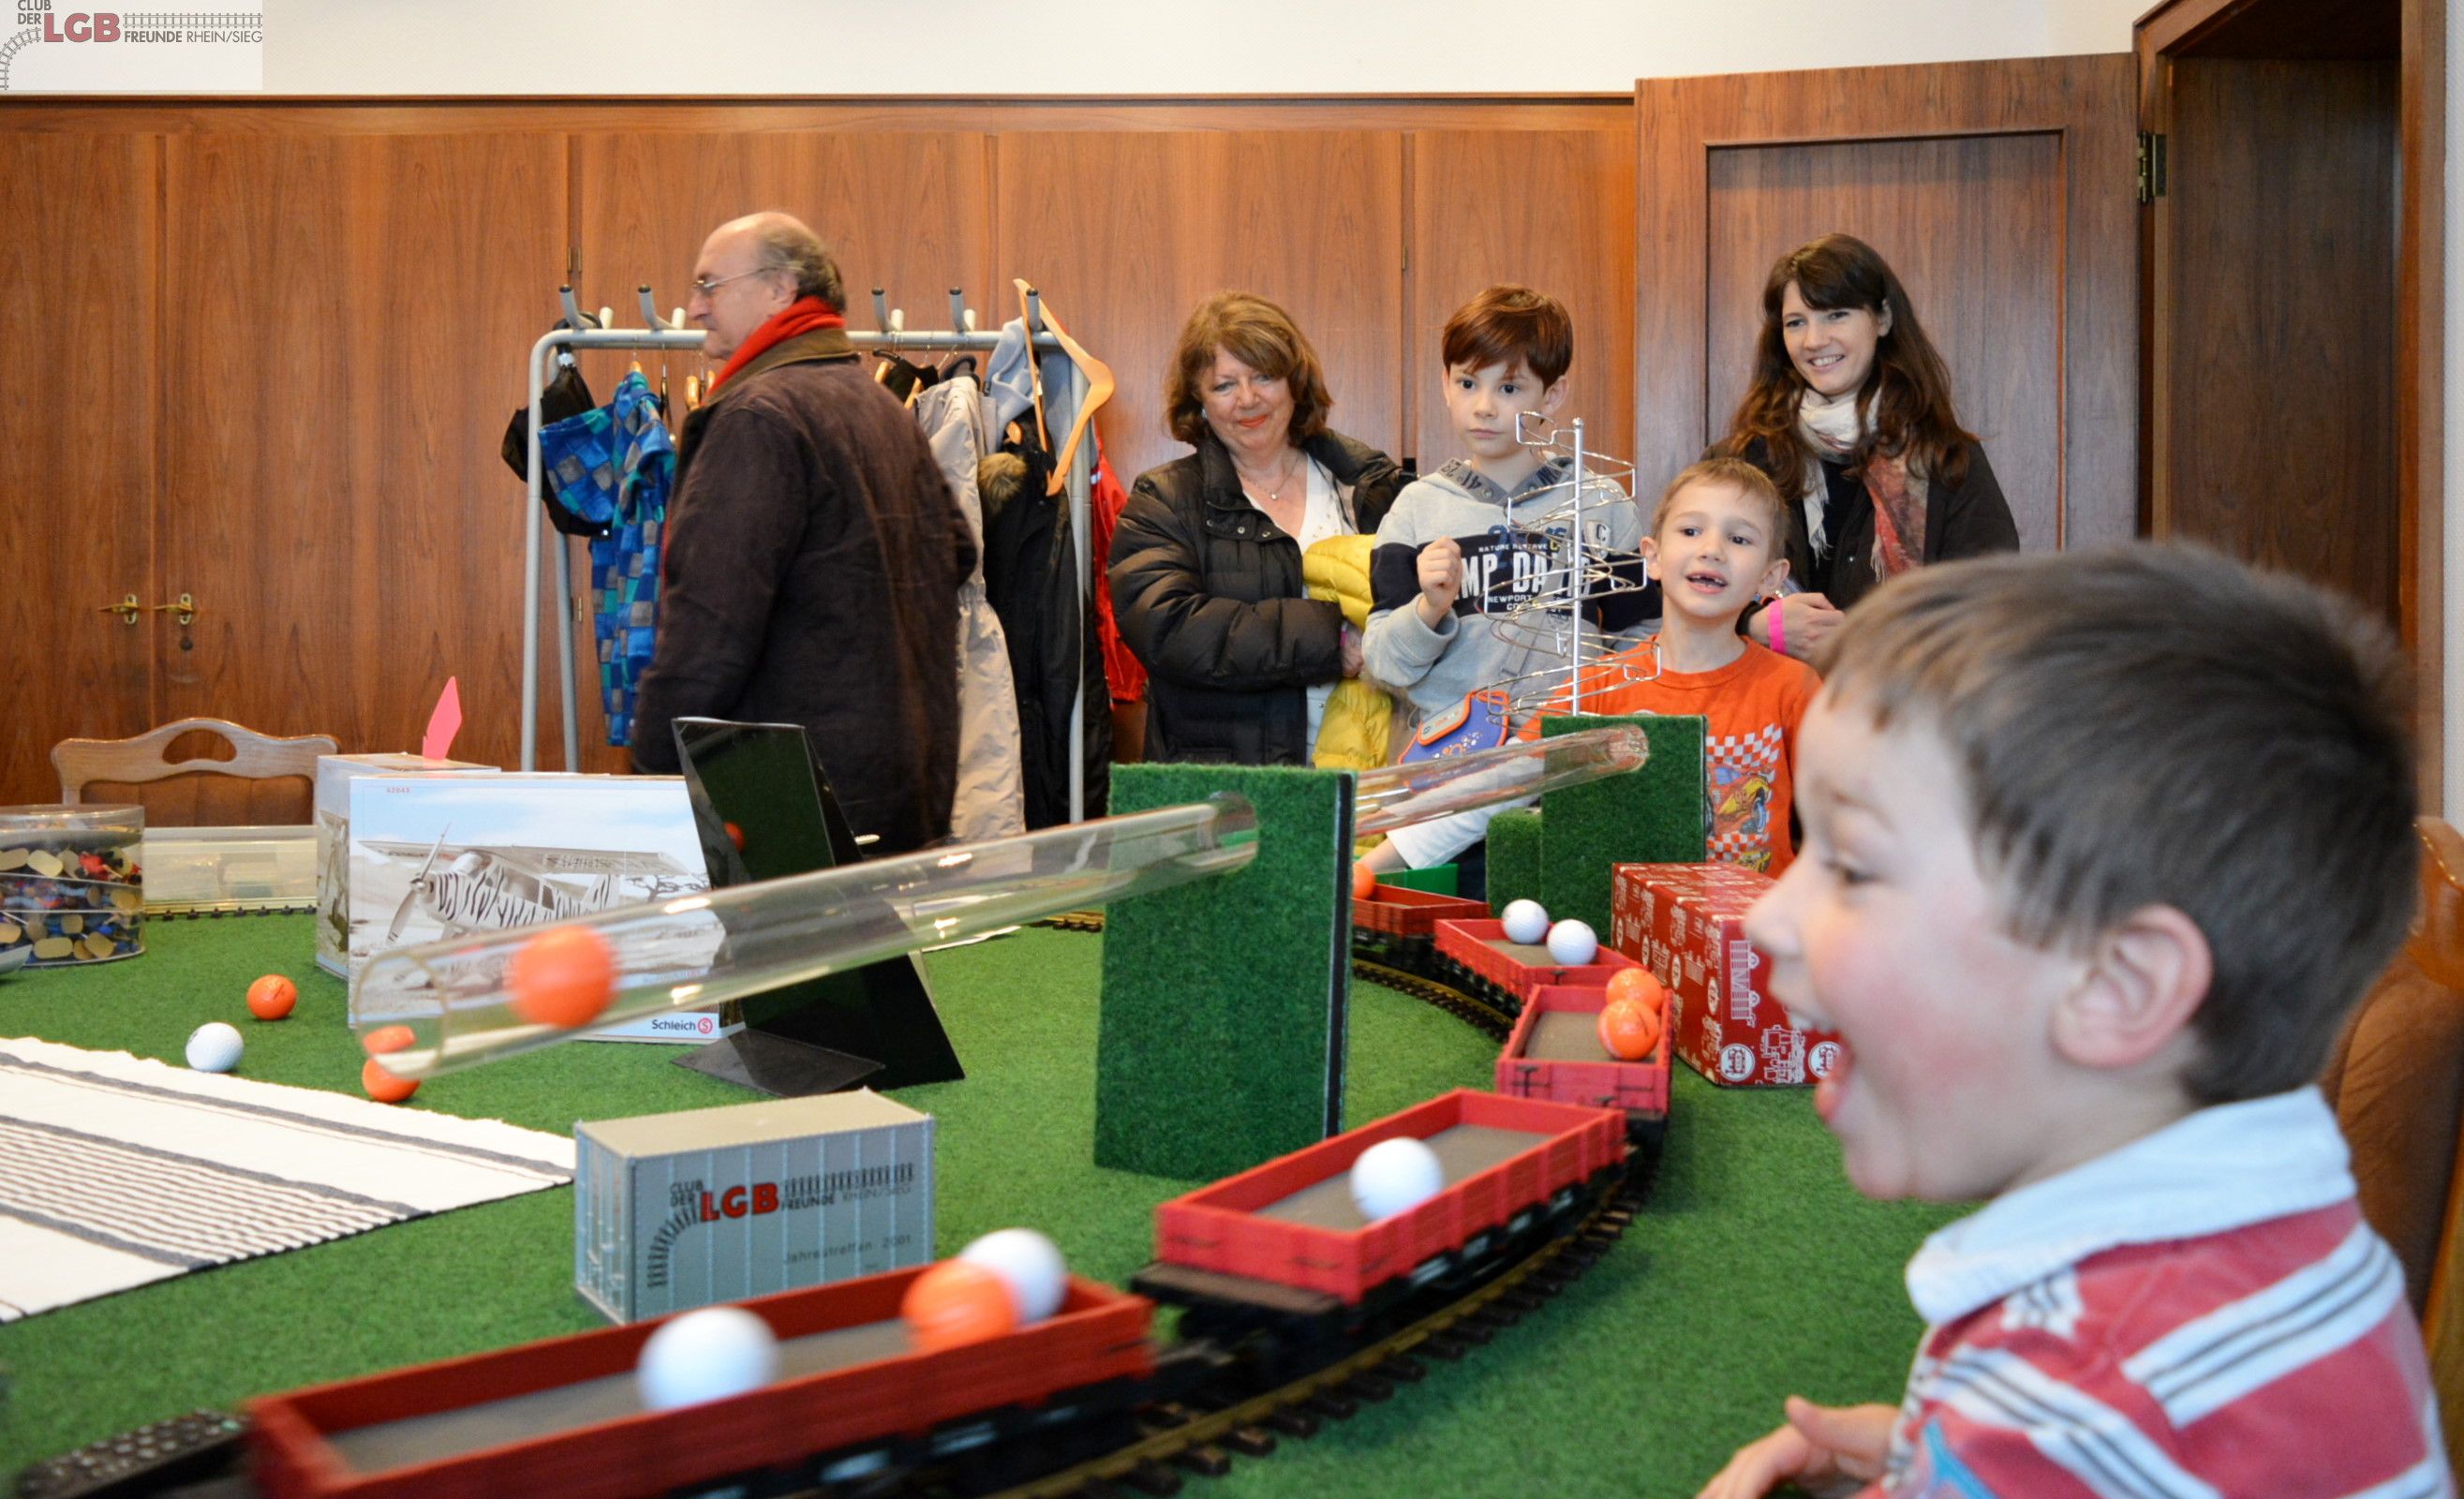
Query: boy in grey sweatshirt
x=1490, y=534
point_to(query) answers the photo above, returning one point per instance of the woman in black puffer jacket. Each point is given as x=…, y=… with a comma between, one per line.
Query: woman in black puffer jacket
x=1205, y=566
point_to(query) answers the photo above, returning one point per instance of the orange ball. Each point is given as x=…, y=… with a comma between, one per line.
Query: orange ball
x=1629, y=1029
x=383, y=1085
x=1640, y=987
x=563, y=976
x=272, y=996
x=955, y=1303
x=387, y=1038
x=1364, y=882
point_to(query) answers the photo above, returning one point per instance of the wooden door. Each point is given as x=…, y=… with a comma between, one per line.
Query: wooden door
x=351, y=310
x=76, y=318
x=2002, y=195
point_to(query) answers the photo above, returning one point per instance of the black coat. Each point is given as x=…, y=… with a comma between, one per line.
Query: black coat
x=814, y=557
x=1031, y=581
x=1208, y=595
x=1969, y=519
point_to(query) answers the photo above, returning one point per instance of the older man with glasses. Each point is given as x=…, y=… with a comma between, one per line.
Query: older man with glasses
x=814, y=550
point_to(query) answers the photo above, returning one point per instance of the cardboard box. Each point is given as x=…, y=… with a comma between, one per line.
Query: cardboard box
x=432, y=857
x=335, y=774
x=672, y=1211
x=1685, y=923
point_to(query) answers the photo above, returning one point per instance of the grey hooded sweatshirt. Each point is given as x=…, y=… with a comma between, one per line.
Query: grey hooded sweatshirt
x=1437, y=668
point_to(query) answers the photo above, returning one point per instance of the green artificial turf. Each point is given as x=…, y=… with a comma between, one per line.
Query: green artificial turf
x=1651, y=816
x=1513, y=856
x=1224, y=999
x=1754, y=1270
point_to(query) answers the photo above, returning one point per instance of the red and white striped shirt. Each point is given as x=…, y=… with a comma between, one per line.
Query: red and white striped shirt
x=2200, y=1314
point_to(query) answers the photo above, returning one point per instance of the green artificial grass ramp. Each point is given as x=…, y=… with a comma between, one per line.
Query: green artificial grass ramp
x=1513, y=856
x=1653, y=816
x=1223, y=1015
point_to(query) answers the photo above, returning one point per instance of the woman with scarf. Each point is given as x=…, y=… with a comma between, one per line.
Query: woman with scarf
x=1850, y=414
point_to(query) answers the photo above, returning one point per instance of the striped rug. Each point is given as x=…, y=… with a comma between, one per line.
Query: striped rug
x=116, y=1171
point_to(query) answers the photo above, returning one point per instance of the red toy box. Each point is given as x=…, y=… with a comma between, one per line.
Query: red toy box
x=1232, y=1228
x=1413, y=912
x=584, y=1434
x=1556, y=1054
x=1516, y=969
x=1687, y=923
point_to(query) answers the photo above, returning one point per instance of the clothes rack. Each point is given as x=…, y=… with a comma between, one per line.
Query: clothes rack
x=582, y=331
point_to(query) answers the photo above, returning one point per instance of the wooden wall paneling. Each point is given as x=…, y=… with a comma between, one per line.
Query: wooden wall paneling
x=2279, y=293
x=1552, y=210
x=2082, y=103
x=910, y=211
x=459, y=231
x=1129, y=231
x=339, y=512
x=1972, y=225
x=78, y=216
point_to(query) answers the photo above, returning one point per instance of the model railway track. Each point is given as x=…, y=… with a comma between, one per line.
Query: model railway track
x=1201, y=1442
x=1200, y=1433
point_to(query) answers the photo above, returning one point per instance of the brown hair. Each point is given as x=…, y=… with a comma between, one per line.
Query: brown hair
x=1512, y=325
x=1753, y=481
x=2160, y=725
x=1906, y=394
x=1260, y=335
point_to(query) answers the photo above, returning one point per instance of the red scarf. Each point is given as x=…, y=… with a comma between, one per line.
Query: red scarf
x=801, y=316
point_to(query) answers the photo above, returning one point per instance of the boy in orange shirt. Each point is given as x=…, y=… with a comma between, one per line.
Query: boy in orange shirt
x=1714, y=548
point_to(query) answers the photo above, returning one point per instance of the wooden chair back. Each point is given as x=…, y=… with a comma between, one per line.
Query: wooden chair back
x=266, y=782
x=2397, y=1084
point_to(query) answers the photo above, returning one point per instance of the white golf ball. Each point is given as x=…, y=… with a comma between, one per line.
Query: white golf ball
x=1028, y=1265
x=1394, y=1174
x=1572, y=943
x=214, y=1047
x=1525, y=921
x=705, y=1355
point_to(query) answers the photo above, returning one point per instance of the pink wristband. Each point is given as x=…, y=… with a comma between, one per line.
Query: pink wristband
x=1779, y=635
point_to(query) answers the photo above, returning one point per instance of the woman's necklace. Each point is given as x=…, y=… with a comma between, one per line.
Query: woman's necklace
x=1274, y=496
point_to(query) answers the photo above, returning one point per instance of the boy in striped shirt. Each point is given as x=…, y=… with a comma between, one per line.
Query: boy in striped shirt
x=2099, y=849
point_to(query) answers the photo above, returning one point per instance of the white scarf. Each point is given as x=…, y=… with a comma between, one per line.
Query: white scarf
x=1831, y=424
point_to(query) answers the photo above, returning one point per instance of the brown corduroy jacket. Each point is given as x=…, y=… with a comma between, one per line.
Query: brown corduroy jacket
x=814, y=554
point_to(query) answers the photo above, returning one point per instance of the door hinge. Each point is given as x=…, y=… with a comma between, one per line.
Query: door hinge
x=2152, y=166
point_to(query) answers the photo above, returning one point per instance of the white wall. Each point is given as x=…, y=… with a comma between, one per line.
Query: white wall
x=604, y=47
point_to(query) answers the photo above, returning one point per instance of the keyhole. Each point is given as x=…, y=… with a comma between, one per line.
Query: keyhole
x=186, y=643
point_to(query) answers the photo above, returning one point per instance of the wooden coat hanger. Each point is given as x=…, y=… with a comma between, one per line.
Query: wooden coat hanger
x=1100, y=386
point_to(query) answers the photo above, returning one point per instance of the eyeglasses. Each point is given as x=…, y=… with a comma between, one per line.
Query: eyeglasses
x=705, y=286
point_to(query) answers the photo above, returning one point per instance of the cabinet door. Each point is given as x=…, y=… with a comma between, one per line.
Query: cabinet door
x=349, y=317
x=2002, y=195
x=76, y=316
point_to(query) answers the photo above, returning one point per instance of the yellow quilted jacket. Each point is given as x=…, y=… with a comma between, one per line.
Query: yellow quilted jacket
x=1353, y=736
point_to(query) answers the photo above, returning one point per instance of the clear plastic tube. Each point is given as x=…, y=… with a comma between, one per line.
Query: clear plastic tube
x=424, y=1010
x=1397, y=796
